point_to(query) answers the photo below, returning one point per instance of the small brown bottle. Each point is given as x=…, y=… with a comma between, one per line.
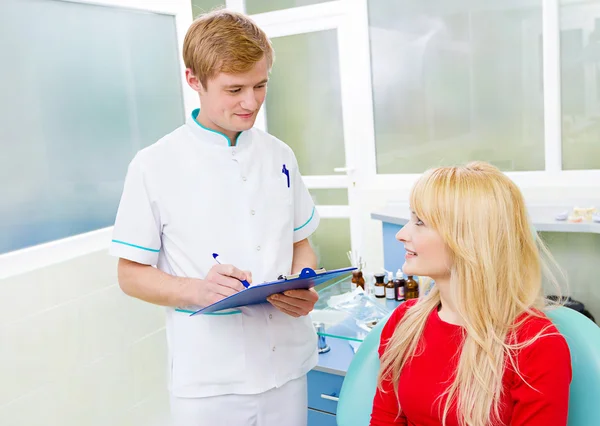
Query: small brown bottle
x=357, y=279
x=390, y=292
x=379, y=285
x=399, y=283
x=412, y=289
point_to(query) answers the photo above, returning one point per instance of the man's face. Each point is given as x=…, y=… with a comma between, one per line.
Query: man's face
x=230, y=102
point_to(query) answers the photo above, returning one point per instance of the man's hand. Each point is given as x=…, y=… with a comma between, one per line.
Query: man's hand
x=221, y=281
x=296, y=303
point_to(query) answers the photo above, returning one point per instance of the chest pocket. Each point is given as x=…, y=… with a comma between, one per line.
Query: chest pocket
x=279, y=192
x=278, y=205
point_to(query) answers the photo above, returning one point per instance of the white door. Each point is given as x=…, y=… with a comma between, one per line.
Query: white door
x=314, y=104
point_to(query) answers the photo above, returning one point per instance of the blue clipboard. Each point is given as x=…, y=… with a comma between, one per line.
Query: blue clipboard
x=254, y=295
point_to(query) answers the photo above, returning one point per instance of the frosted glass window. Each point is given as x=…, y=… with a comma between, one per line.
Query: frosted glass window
x=580, y=83
x=261, y=6
x=330, y=196
x=84, y=88
x=200, y=7
x=457, y=80
x=331, y=242
x=304, y=103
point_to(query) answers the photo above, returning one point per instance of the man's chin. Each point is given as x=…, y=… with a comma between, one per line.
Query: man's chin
x=241, y=125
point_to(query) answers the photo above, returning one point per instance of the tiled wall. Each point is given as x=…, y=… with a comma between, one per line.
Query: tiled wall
x=76, y=351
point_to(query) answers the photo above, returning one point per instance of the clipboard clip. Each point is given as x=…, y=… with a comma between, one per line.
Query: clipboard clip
x=305, y=273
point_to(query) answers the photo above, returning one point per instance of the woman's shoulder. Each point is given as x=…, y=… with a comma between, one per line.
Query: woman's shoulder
x=539, y=337
x=541, y=354
x=531, y=324
x=400, y=311
x=395, y=318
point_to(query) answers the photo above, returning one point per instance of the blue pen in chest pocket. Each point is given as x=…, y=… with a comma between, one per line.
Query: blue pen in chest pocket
x=286, y=172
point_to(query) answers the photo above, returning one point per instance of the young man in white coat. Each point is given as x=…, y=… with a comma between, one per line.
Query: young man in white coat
x=218, y=185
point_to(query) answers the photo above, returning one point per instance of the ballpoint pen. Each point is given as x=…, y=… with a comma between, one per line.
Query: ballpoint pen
x=222, y=262
x=286, y=172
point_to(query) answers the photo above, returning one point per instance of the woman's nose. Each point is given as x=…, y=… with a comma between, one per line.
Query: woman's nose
x=401, y=234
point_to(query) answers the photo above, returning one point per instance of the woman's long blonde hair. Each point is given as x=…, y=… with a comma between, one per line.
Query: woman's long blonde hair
x=495, y=277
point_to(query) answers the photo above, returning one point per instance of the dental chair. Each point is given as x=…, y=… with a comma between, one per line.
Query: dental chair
x=583, y=338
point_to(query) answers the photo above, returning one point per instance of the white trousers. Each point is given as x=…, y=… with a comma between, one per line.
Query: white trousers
x=284, y=406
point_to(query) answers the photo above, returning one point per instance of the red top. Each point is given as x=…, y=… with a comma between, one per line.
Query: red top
x=546, y=365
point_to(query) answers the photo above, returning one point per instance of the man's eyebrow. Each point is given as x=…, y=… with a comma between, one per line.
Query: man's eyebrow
x=237, y=86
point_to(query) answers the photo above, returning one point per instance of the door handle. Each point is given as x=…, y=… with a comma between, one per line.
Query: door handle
x=330, y=397
x=343, y=169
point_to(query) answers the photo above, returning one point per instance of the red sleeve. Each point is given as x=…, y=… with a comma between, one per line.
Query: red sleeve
x=385, y=405
x=546, y=367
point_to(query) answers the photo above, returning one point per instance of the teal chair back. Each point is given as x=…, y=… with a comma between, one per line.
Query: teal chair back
x=358, y=389
x=583, y=338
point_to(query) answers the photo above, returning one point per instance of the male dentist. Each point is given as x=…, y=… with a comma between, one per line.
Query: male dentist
x=218, y=185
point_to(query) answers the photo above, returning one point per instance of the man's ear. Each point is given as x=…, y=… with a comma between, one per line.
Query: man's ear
x=193, y=81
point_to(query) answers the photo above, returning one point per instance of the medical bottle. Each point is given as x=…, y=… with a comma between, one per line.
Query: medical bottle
x=399, y=284
x=358, y=280
x=412, y=289
x=379, y=285
x=390, y=292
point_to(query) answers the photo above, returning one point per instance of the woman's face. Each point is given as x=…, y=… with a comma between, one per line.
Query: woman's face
x=426, y=253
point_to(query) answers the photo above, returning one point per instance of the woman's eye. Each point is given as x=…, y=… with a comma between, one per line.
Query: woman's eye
x=419, y=222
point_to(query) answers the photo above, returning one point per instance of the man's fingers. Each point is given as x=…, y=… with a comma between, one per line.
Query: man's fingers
x=229, y=271
x=308, y=295
x=229, y=282
x=283, y=309
x=224, y=290
x=299, y=306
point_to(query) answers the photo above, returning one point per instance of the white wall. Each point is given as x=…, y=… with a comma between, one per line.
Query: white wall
x=75, y=351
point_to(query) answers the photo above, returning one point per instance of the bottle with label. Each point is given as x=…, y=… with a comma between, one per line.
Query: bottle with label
x=379, y=285
x=390, y=291
x=399, y=284
x=412, y=289
x=358, y=280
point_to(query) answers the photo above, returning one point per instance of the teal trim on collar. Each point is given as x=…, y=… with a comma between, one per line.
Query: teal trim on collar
x=216, y=314
x=195, y=116
x=307, y=222
x=133, y=245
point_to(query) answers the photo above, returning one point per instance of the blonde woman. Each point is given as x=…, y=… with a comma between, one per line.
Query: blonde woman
x=477, y=350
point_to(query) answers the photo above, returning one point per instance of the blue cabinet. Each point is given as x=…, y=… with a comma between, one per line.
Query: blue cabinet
x=324, y=391
x=325, y=383
x=319, y=418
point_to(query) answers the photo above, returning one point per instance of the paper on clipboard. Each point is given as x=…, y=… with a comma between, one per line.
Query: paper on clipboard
x=256, y=294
